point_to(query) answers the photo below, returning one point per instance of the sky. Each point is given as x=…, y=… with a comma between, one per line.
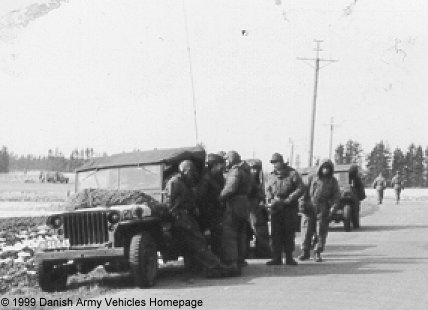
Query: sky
x=115, y=75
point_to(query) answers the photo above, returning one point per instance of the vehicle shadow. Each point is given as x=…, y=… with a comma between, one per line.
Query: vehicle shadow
x=377, y=228
x=338, y=261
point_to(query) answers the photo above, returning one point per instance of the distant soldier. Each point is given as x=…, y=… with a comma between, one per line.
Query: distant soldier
x=258, y=213
x=236, y=216
x=398, y=185
x=42, y=177
x=284, y=189
x=211, y=210
x=379, y=184
x=181, y=201
x=323, y=196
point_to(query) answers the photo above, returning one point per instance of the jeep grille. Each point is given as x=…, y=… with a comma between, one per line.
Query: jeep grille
x=86, y=228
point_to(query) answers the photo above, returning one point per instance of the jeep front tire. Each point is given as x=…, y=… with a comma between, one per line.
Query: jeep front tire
x=143, y=259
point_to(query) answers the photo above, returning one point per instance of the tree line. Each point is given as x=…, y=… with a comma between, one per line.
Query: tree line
x=55, y=160
x=411, y=163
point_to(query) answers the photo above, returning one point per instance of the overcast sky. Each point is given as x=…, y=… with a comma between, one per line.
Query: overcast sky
x=114, y=75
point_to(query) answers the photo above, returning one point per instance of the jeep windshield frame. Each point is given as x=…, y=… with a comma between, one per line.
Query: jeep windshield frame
x=137, y=177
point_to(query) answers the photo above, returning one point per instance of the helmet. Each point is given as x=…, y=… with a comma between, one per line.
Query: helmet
x=186, y=166
x=276, y=157
x=254, y=163
x=213, y=159
x=233, y=157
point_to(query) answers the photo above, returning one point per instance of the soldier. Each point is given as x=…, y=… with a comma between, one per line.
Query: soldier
x=398, y=185
x=283, y=191
x=211, y=209
x=323, y=196
x=258, y=213
x=379, y=184
x=359, y=193
x=182, y=205
x=235, y=219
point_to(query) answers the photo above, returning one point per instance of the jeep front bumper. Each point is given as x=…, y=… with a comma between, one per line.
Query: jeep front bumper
x=87, y=254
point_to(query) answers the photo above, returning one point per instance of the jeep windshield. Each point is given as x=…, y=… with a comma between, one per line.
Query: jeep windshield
x=147, y=177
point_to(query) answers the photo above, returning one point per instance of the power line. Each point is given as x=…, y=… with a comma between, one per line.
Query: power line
x=317, y=68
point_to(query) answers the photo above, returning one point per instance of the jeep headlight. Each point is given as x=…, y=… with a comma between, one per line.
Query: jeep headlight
x=55, y=221
x=113, y=217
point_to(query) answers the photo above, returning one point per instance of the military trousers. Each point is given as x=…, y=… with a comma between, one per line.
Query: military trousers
x=193, y=242
x=397, y=192
x=284, y=220
x=314, y=228
x=379, y=193
x=259, y=224
x=235, y=230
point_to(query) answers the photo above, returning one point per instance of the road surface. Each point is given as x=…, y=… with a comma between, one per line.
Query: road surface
x=382, y=266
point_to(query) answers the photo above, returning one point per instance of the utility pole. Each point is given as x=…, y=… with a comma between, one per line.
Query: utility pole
x=291, y=152
x=189, y=55
x=317, y=68
x=332, y=126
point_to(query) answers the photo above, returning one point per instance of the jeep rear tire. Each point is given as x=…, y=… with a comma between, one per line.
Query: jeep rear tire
x=51, y=278
x=143, y=259
x=347, y=214
x=356, y=220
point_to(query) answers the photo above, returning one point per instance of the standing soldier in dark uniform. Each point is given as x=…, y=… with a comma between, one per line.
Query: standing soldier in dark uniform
x=323, y=196
x=379, y=184
x=210, y=208
x=284, y=189
x=181, y=201
x=398, y=185
x=258, y=213
x=359, y=192
x=235, y=220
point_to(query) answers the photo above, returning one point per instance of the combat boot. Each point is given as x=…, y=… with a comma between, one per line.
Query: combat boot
x=305, y=255
x=231, y=270
x=243, y=263
x=215, y=272
x=289, y=260
x=274, y=262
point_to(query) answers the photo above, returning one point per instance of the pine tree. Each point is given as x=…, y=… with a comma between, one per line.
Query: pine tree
x=353, y=152
x=378, y=161
x=398, y=161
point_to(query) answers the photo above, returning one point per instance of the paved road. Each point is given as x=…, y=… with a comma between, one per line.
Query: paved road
x=382, y=266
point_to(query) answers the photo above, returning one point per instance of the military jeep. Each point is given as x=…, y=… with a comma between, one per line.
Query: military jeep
x=119, y=219
x=348, y=211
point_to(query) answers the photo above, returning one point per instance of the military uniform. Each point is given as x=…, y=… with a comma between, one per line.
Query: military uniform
x=284, y=188
x=259, y=218
x=359, y=193
x=322, y=195
x=398, y=185
x=181, y=201
x=236, y=215
x=379, y=184
x=211, y=210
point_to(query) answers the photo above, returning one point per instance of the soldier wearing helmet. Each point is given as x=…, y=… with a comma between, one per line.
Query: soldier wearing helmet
x=284, y=189
x=398, y=185
x=181, y=201
x=258, y=213
x=235, y=219
x=211, y=209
